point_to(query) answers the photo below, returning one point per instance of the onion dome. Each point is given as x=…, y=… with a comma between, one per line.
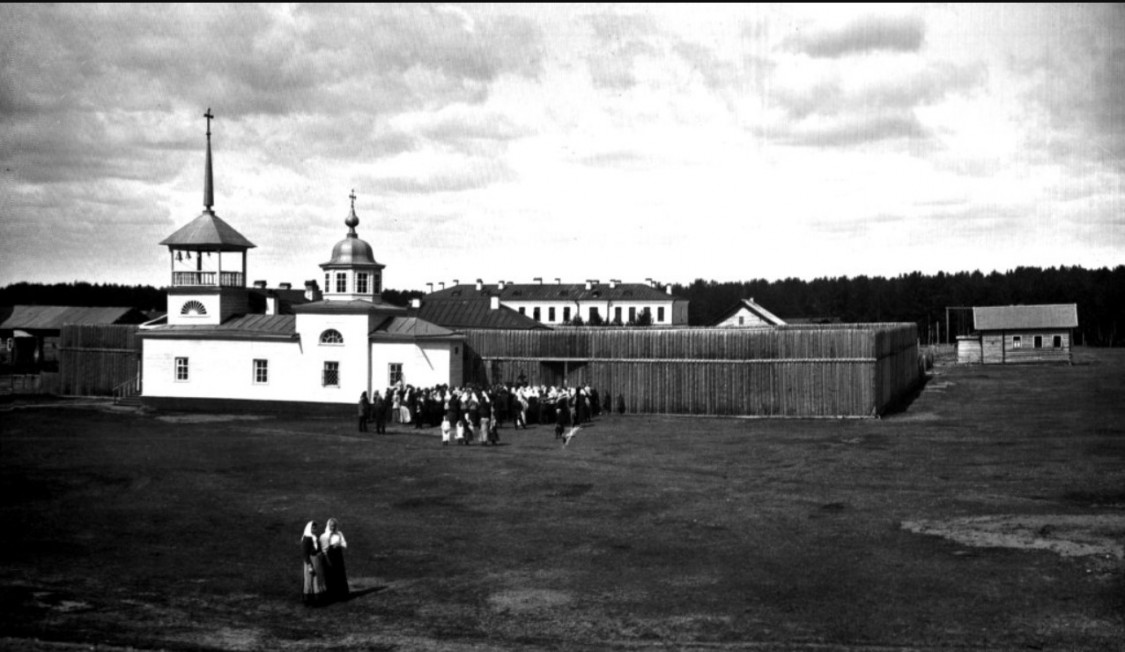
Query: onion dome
x=351, y=251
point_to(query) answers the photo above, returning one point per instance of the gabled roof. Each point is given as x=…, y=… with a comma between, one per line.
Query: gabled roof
x=411, y=328
x=53, y=317
x=474, y=312
x=990, y=318
x=753, y=307
x=555, y=292
x=208, y=232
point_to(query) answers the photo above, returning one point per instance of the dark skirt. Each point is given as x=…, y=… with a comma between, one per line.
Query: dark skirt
x=315, y=589
x=336, y=573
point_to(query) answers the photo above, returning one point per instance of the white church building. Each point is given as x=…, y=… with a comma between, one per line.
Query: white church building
x=226, y=344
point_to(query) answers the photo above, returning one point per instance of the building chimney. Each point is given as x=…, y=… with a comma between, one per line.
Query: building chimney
x=285, y=286
x=261, y=285
x=500, y=285
x=668, y=288
x=271, y=304
x=312, y=291
x=442, y=284
x=589, y=284
x=494, y=302
x=538, y=279
x=457, y=281
x=613, y=283
x=558, y=281
x=431, y=287
x=415, y=303
x=480, y=284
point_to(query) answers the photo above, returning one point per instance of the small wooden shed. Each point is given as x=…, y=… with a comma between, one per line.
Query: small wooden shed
x=1015, y=334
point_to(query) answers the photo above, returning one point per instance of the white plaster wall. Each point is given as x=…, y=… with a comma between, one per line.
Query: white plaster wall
x=222, y=369
x=352, y=355
x=750, y=319
x=424, y=364
x=605, y=309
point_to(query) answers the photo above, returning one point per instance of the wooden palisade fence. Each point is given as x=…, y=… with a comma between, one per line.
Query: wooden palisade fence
x=96, y=359
x=837, y=370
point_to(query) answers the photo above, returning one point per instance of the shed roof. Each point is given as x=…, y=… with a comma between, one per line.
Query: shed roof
x=250, y=327
x=53, y=317
x=752, y=306
x=410, y=328
x=991, y=318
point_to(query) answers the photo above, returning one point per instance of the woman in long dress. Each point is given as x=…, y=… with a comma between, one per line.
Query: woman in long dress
x=333, y=543
x=315, y=590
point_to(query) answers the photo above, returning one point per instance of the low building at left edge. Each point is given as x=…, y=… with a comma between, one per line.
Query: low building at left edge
x=226, y=344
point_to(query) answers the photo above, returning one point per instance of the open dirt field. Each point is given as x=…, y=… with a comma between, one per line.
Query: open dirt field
x=989, y=514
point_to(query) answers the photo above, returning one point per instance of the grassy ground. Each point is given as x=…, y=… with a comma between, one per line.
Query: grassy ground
x=989, y=514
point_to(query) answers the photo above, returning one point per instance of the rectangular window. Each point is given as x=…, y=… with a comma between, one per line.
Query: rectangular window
x=551, y=314
x=181, y=369
x=633, y=315
x=341, y=282
x=361, y=283
x=331, y=376
x=523, y=310
x=327, y=282
x=378, y=283
x=1038, y=341
x=1056, y=341
x=535, y=314
x=660, y=314
x=394, y=373
x=1017, y=342
x=566, y=313
x=261, y=372
x=593, y=314
x=741, y=320
x=617, y=315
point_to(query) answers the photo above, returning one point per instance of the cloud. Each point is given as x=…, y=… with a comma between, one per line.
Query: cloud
x=619, y=39
x=456, y=175
x=862, y=35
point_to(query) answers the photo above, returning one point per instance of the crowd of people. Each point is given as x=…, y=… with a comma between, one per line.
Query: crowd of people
x=474, y=414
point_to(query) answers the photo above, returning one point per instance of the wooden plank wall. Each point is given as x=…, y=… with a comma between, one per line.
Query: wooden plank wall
x=94, y=359
x=821, y=371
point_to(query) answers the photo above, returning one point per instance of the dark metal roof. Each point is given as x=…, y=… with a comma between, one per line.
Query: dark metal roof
x=990, y=318
x=409, y=328
x=352, y=307
x=53, y=317
x=250, y=327
x=474, y=313
x=208, y=232
x=555, y=292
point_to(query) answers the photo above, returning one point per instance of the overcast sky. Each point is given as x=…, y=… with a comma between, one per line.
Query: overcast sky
x=581, y=141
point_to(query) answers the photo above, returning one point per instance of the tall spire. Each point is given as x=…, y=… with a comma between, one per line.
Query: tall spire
x=208, y=183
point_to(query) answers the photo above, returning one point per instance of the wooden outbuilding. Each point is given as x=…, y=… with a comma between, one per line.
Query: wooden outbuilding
x=1016, y=334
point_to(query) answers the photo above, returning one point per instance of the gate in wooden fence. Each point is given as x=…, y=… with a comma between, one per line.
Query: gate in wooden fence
x=835, y=370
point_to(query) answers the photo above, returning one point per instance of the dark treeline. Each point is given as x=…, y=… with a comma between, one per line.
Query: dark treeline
x=923, y=299
x=919, y=298
x=142, y=297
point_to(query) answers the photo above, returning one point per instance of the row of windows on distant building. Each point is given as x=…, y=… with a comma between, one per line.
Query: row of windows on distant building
x=260, y=372
x=1037, y=341
x=593, y=315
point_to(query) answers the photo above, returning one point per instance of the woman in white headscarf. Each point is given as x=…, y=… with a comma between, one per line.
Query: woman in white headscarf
x=315, y=589
x=333, y=543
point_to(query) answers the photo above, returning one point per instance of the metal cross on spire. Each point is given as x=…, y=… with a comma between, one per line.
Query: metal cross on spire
x=209, y=118
x=353, y=199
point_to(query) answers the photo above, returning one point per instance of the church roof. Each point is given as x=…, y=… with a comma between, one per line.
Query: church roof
x=208, y=232
x=352, y=307
x=244, y=327
x=410, y=328
x=351, y=252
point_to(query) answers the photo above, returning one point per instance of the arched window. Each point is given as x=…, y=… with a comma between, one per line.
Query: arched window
x=331, y=336
x=193, y=308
